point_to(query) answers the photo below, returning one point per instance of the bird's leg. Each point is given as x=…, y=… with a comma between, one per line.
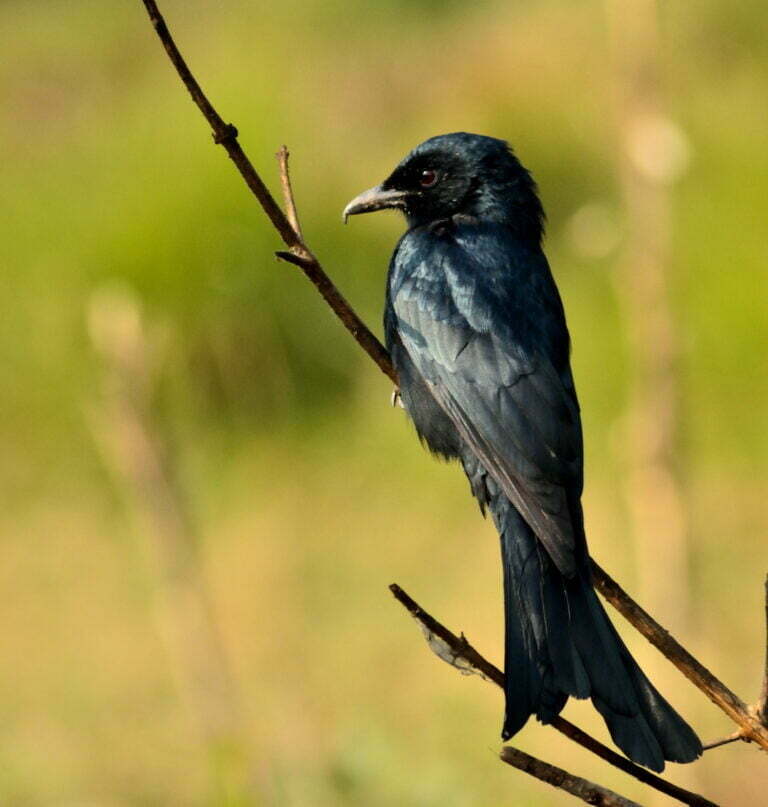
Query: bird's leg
x=396, y=399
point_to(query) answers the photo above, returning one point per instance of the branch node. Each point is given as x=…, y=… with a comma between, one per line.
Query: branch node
x=226, y=135
x=302, y=261
x=738, y=711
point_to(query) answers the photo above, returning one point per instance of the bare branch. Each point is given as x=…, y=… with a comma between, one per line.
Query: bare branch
x=459, y=645
x=288, y=200
x=581, y=788
x=731, y=738
x=458, y=652
x=691, y=668
x=225, y=134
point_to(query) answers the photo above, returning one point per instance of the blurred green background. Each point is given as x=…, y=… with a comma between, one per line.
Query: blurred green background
x=305, y=492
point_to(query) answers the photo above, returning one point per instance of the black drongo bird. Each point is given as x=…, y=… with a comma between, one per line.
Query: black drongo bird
x=477, y=334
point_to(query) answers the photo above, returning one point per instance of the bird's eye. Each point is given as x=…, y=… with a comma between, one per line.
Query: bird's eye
x=428, y=178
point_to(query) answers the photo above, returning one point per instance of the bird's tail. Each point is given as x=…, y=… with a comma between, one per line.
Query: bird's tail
x=559, y=642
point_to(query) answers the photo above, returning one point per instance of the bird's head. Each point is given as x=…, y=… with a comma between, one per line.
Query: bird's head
x=459, y=173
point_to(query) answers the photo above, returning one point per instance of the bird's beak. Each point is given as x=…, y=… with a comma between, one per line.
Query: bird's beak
x=374, y=199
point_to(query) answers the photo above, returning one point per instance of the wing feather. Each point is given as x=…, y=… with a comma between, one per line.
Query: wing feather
x=515, y=411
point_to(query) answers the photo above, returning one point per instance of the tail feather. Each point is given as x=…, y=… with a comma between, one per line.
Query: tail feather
x=596, y=645
x=633, y=735
x=538, y=633
x=679, y=742
x=523, y=676
x=559, y=642
x=568, y=672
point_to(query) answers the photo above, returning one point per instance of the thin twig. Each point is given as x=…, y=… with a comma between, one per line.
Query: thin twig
x=581, y=788
x=731, y=738
x=459, y=649
x=225, y=134
x=285, y=180
x=693, y=669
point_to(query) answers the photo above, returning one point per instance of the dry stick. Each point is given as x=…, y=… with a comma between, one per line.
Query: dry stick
x=285, y=180
x=462, y=651
x=751, y=726
x=731, y=738
x=761, y=710
x=226, y=135
x=581, y=788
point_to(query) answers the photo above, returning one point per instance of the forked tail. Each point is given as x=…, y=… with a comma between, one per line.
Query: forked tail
x=559, y=642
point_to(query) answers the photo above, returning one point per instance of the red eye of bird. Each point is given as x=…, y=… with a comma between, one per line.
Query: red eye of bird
x=428, y=178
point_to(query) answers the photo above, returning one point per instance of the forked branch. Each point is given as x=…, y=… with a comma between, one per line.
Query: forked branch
x=459, y=653
x=748, y=719
x=225, y=134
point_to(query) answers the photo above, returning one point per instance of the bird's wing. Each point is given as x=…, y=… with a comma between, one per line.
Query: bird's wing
x=510, y=405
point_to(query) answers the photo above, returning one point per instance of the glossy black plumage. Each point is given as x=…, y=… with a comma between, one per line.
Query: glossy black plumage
x=477, y=333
